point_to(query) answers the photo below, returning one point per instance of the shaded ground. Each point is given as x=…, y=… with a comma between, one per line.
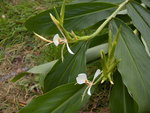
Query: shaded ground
x=99, y=101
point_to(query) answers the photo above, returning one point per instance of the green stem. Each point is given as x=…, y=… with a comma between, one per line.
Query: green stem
x=99, y=79
x=105, y=22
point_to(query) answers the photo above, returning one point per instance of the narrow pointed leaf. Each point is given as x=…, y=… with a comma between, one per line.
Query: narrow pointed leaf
x=141, y=19
x=63, y=99
x=134, y=65
x=67, y=71
x=120, y=99
x=76, y=15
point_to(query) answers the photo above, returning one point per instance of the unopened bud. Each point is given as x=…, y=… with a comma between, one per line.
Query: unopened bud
x=102, y=81
x=54, y=19
x=111, y=82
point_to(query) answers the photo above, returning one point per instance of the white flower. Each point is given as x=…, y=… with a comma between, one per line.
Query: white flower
x=82, y=79
x=57, y=40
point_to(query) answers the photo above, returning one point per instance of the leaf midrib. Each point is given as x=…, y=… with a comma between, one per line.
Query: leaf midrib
x=54, y=110
x=85, y=14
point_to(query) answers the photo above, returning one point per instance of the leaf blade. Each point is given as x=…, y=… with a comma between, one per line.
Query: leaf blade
x=66, y=71
x=120, y=99
x=146, y=2
x=134, y=65
x=75, y=17
x=140, y=18
x=109, y=1
x=58, y=100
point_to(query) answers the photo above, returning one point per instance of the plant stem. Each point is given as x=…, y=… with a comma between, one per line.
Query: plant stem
x=99, y=79
x=105, y=22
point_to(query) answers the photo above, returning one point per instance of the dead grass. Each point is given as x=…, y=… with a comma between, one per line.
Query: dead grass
x=15, y=96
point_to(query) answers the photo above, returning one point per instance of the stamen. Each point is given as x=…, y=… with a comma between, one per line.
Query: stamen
x=88, y=83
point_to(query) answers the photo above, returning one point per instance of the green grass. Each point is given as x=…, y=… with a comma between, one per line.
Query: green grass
x=11, y=25
x=13, y=31
x=14, y=16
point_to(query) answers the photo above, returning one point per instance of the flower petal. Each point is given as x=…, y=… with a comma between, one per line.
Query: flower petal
x=68, y=48
x=81, y=78
x=56, y=40
x=89, y=91
x=97, y=73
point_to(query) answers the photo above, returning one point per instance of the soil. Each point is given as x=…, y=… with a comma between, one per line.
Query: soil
x=13, y=96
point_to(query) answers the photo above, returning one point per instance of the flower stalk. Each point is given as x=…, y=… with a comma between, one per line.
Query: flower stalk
x=105, y=22
x=71, y=36
x=109, y=62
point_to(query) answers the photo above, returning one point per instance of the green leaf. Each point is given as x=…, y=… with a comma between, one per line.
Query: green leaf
x=92, y=54
x=134, y=65
x=76, y=15
x=109, y=1
x=63, y=99
x=67, y=71
x=141, y=19
x=146, y=2
x=19, y=76
x=120, y=99
x=43, y=68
